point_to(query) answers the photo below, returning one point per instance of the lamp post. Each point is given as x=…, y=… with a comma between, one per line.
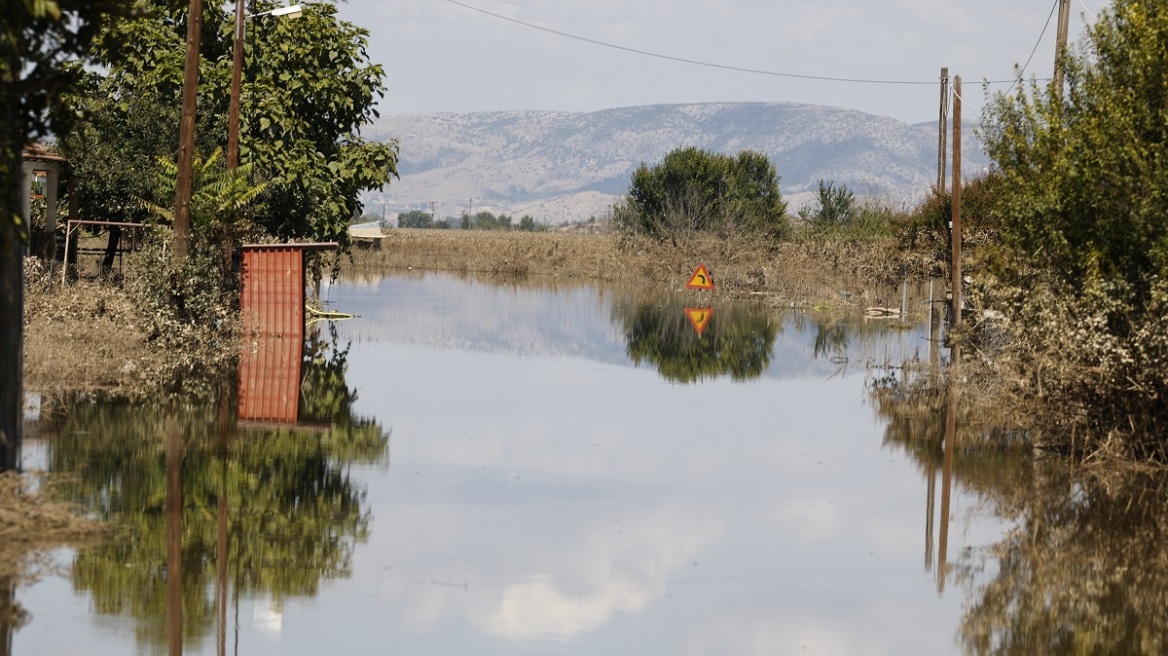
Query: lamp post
x=241, y=17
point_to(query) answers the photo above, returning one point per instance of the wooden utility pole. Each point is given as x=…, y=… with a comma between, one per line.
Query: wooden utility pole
x=236, y=87
x=955, y=229
x=1060, y=49
x=186, y=135
x=943, y=129
x=174, y=510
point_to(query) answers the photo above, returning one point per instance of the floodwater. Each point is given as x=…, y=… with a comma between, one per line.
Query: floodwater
x=504, y=469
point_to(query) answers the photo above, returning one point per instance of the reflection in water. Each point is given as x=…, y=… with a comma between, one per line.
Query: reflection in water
x=554, y=504
x=11, y=616
x=831, y=341
x=732, y=342
x=927, y=419
x=1084, y=568
x=268, y=511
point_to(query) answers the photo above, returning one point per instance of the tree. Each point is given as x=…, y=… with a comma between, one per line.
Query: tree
x=415, y=219
x=1084, y=172
x=308, y=89
x=38, y=39
x=1084, y=178
x=832, y=206
x=696, y=190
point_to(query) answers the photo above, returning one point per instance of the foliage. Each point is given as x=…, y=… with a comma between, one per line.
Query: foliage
x=221, y=199
x=114, y=147
x=1085, y=173
x=835, y=210
x=833, y=206
x=696, y=190
x=527, y=224
x=415, y=219
x=308, y=89
x=1084, y=178
x=38, y=41
x=488, y=221
x=188, y=308
x=927, y=225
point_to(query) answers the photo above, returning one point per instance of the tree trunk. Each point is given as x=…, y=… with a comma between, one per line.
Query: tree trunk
x=12, y=136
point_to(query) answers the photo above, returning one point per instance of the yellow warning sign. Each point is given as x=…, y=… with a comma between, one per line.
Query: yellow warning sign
x=700, y=279
x=699, y=318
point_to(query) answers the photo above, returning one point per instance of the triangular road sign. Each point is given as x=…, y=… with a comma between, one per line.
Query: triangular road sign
x=699, y=318
x=700, y=279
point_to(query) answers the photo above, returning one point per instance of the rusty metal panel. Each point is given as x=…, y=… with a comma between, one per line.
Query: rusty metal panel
x=272, y=309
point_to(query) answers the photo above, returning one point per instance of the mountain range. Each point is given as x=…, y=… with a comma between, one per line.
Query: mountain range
x=566, y=167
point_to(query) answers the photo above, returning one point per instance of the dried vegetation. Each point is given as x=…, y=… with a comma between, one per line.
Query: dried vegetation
x=806, y=272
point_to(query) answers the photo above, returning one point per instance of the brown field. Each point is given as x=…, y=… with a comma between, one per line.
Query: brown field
x=806, y=273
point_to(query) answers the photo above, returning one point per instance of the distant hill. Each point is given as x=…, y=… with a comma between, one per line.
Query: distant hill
x=563, y=166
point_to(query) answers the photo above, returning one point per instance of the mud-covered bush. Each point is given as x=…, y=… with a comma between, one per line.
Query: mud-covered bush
x=190, y=306
x=1095, y=365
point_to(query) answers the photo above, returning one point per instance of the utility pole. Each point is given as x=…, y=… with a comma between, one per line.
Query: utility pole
x=186, y=138
x=1060, y=49
x=955, y=230
x=236, y=87
x=942, y=129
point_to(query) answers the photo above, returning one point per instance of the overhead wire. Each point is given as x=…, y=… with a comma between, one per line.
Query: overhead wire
x=1018, y=78
x=698, y=62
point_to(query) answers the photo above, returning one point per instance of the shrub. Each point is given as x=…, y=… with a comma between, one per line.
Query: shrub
x=696, y=190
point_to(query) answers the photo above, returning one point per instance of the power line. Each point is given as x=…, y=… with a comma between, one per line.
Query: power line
x=1022, y=72
x=696, y=62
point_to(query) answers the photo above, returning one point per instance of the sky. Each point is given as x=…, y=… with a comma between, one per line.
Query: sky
x=450, y=56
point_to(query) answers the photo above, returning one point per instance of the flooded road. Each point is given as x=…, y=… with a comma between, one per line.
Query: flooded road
x=501, y=469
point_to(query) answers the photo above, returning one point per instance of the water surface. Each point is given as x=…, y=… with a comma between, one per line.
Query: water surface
x=487, y=468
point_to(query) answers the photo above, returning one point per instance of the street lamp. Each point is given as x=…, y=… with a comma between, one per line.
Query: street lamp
x=292, y=11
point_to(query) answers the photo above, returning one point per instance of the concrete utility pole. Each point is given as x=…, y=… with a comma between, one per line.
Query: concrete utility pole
x=942, y=129
x=1064, y=22
x=186, y=138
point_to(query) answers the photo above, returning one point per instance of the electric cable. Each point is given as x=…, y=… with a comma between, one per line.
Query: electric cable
x=697, y=62
x=1022, y=72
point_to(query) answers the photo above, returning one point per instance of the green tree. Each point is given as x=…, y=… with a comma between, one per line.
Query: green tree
x=832, y=206
x=528, y=224
x=1085, y=171
x=1082, y=204
x=38, y=40
x=308, y=89
x=415, y=219
x=696, y=190
x=489, y=221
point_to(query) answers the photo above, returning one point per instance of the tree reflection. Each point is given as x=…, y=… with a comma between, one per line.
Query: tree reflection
x=1084, y=566
x=1084, y=570
x=295, y=512
x=734, y=343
